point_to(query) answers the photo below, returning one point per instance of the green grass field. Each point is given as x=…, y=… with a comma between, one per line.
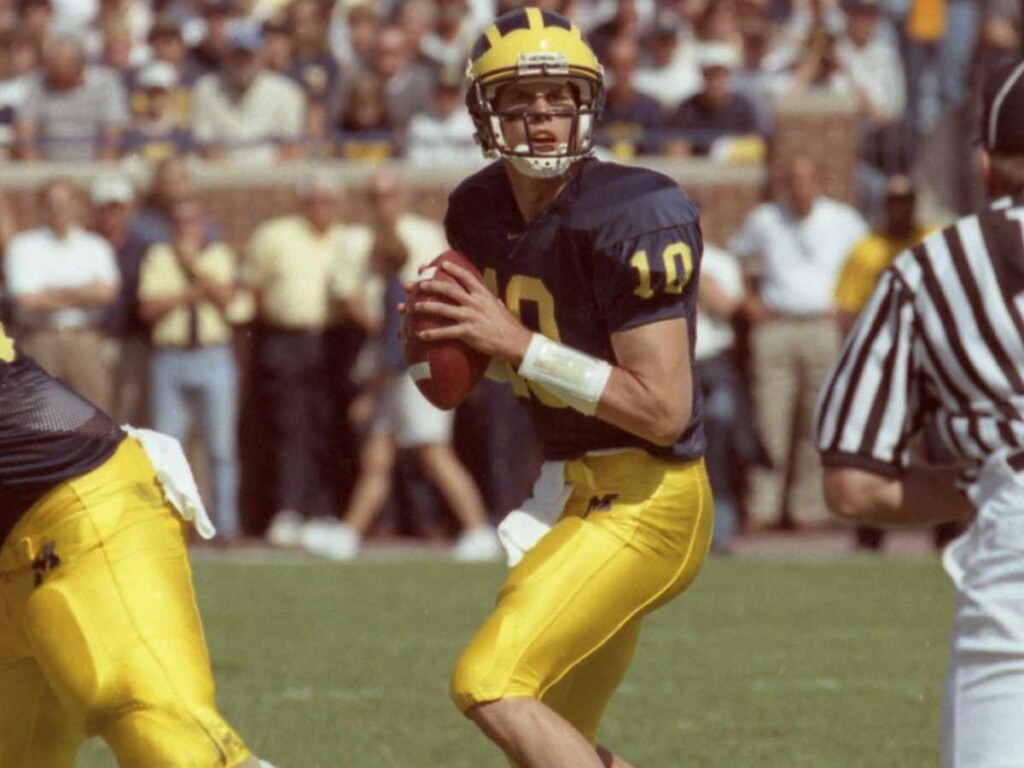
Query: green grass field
x=761, y=664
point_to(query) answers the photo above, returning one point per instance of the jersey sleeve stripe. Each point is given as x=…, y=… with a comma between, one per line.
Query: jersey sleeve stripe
x=951, y=329
x=979, y=310
x=1001, y=238
x=882, y=411
x=827, y=412
x=847, y=428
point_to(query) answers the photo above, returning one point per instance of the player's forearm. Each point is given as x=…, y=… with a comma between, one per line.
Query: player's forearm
x=652, y=406
x=923, y=495
x=640, y=408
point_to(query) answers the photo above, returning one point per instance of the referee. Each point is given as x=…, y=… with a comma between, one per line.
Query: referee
x=941, y=344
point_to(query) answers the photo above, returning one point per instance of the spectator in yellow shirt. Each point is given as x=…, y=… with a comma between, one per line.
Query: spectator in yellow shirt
x=870, y=257
x=306, y=271
x=186, y=289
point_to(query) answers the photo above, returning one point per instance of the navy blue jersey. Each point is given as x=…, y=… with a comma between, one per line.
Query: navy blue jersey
x=619, y=248
x=48, y=434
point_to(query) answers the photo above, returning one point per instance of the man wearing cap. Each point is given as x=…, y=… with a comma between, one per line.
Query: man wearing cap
x=717, y=112
x=247, y=114
x=157, y=133
x=60, y=279
x=168, y=46
x=939, y=345
x=113, y=202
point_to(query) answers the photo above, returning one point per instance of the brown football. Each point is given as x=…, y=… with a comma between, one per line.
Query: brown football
x=444, y=371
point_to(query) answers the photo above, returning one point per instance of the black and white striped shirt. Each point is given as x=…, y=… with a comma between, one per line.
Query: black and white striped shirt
x=940, y=342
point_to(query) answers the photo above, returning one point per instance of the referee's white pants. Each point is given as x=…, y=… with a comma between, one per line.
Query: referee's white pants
x=983, y=717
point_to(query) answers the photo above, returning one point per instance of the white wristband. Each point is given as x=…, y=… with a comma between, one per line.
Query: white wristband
x=573, y=376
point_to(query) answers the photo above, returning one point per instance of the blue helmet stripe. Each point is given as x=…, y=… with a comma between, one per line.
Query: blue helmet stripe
x=512, y=21
x=482, y=46
x=555, y=20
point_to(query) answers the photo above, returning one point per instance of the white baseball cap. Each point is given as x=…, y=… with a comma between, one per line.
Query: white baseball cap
x=158, y=74
x=717, y=54
x=111, y=188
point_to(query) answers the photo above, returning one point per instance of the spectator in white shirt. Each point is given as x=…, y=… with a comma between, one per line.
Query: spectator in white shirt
x=793, y=251
x=248, y=114
x=60, y=278
x=445, y=134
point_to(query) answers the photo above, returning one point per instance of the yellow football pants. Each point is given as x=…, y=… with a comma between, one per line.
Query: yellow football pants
x=100, y=633
x=632, y=536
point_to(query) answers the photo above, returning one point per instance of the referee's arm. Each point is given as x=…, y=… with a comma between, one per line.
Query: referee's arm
x=864, y=423
x=922, y=495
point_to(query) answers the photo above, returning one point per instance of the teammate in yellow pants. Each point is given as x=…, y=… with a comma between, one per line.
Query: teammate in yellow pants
x=99, y=630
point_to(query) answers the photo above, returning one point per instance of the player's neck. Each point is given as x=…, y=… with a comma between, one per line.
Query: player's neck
x=534, y=195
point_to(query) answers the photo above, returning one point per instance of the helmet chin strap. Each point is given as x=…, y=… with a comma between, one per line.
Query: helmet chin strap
x=540, y=167
x=535, y=165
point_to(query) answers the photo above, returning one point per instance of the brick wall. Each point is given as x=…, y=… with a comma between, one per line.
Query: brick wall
x=822, y=128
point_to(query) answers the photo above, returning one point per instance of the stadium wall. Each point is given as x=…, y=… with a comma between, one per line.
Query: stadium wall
x=820, y=126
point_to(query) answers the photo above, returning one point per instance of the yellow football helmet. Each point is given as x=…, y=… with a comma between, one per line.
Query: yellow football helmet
x=531, y=43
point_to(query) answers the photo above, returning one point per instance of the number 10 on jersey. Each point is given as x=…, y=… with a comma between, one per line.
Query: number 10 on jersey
x=677, y=259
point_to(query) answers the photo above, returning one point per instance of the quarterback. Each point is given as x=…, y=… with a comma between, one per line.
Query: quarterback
x=99, y=630
x=591, y=282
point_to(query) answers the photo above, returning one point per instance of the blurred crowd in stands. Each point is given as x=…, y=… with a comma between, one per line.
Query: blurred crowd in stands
x=262, y=81
x=278, y=362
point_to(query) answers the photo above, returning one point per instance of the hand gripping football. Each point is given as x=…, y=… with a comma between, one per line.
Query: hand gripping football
x=444, y=371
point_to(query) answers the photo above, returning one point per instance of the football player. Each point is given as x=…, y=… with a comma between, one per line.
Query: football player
x=591, y=272
x=99, y=630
